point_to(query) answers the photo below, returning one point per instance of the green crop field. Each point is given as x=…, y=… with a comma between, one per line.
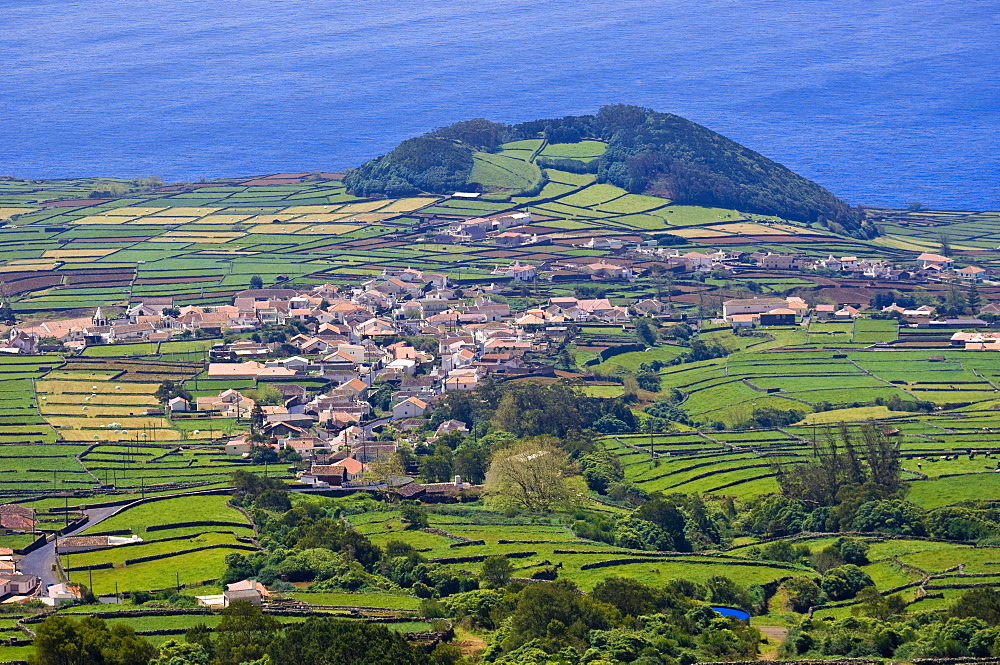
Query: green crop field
x=721, y=421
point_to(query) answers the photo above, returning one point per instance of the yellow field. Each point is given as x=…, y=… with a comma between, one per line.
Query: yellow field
x=80, y=259
x=308, y=210
x=370, y=217
x=848, y=415
x=319, y=218
x=186, y=212
x=363, y=206
x=916, y=245
x=158, y=220
x=329, y=229
x=200, y=236
x=99, y=387
x=796, y=229
x=268, y=218
x=130, y=423
x=64, y=253
x=188, y=241
x=407, y=205
x=276, y=228
x=7, y=213
x=15, y=266
x=207, y=234
x=697, y=233
x=104, y=219
x=51, y=411
x=749, y=229
x=105, y=399
x=137, y=211
x=222, y=219
x=111, y=435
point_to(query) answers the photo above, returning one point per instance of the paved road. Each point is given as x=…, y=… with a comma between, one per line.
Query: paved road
x=375, y=423
x=42, y=561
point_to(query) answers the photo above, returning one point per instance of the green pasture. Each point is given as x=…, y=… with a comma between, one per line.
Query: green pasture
x=168, y=511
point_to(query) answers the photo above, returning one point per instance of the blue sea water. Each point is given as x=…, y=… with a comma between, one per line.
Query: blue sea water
x=884, y=102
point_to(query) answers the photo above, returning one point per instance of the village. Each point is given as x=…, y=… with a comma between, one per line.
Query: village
x=390, y=349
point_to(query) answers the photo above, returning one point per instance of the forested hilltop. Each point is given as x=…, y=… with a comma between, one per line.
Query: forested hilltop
x=646, y=152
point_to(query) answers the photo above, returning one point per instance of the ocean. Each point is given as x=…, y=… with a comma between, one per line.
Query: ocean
x=883, y=102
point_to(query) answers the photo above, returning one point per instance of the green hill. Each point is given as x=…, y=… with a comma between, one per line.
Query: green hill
x=646, y=152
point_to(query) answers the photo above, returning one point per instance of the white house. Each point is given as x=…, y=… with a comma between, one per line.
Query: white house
x=411, y=407
x=178, y=404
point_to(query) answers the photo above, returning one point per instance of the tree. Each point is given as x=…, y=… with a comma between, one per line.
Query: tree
x=841, y=462
x=802, y=593
x=50, y=343
x=497, y=571
x=875, y=605
x=386, y=470
x=60, y=640
x=266, y=395
x=256, y=282
x=470, y=463
x=321, y=640
x=982, y=604
x=845, y=581
x=256, y=418
x=633, y=598
x=890, y=516
x=725, y=591
x=6, y=312
x=666, y=515
x=534, y=475
x=558, y=613
x=645, y=330
x=173, y=652
x=945, y=240
x=827, y=558
x=250, y=487
x=973, y=299
x=244, y=633
x=437, y=468
x=414, y=515
x=168, y=390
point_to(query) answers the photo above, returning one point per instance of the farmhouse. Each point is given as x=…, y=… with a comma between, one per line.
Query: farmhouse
x=928, y=261
x=410, y=407
x=229, y=404
x=750, y=306
x=15, y=518
x=248, y=370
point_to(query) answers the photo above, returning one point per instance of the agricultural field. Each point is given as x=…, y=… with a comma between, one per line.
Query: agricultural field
x=205, y=243
x=740, y=410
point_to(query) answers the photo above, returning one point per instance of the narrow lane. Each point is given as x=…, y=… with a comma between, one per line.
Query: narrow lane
x=42, y=561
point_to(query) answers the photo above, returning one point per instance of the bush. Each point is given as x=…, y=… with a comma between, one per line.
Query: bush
x=890, y=516
x=845, y=581
x=802, y=593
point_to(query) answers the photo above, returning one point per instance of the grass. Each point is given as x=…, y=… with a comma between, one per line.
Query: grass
x=582, y=149
x=632, y=360
x=846, y=415
x=118, y=555
x=168, y=511
x=944, y=491
x=500, y=172
x=191, y=568
x=386, y=600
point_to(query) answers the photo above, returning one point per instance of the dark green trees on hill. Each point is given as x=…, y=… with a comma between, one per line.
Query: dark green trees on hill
x=656, y=153
x=422, y=164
